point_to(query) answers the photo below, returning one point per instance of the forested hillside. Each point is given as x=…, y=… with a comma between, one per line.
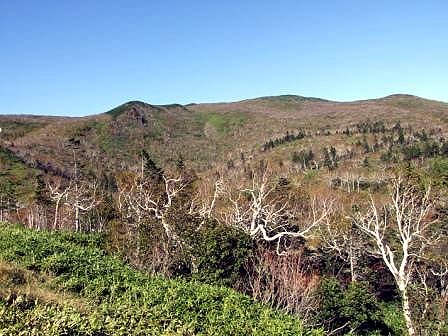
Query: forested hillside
x=332, y=214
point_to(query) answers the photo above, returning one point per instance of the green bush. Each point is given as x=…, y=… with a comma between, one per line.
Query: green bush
x=123, y=301
x=393, y=318
x=439, y=171
x=220, y=253
x=353, y=310
x=331, y=296
x=361, y=308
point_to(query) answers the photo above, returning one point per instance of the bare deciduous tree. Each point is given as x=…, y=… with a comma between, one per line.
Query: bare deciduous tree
x=79, y=195
x=400, y=232
x=345, y=242
x=203, y=205
x=262, y=214
x=141, y=199
x=82, y=197
x=57, y=194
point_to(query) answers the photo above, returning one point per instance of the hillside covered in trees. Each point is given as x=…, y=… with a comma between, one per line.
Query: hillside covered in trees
x=278, y=215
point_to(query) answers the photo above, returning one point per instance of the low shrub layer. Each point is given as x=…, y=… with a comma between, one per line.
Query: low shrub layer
x=121, y=300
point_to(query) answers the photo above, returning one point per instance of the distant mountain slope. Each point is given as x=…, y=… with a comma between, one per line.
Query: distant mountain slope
x=204, y=135
x=297, y=107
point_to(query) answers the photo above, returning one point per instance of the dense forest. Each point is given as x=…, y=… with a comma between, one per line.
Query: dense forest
x=309, y=226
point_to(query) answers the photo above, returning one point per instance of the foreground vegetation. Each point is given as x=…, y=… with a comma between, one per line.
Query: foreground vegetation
x=63, y=284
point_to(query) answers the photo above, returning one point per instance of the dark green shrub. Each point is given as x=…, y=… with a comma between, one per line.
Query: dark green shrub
x=331, y=296
x=353, y=310
x=411, y=152
x=393, y=318
x=361, y=309
x=439, y=172
x=220, y=252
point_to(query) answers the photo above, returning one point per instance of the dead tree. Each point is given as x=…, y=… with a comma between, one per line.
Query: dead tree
x=57, y=194
x=263, y=215
x=79, y=195
x=204, y=204
x=441, y=274
x=82, y=198
x=400, y=232
x=344, y=241
x=143, y=199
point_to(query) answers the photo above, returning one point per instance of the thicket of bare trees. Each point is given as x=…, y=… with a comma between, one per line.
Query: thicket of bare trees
x=78, y=196
x=286, y=282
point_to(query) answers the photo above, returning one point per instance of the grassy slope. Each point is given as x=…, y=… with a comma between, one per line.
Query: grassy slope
x=15, y=177
x=63, y=284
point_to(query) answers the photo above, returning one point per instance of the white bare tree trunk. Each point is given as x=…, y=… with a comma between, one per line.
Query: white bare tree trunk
x=352, y=259
x=409, y=218
x=407, y=312
x=77, y=218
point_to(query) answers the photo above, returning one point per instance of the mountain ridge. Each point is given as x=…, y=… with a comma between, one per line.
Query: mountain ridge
x=298, y=98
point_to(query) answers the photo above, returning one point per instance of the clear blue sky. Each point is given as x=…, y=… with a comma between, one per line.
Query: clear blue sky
x=79, y=57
